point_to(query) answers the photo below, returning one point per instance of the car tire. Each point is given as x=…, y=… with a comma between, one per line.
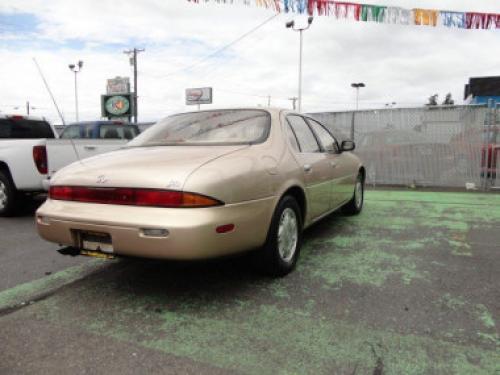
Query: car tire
x=280, y=253
x=8, y=195
x=355, y=205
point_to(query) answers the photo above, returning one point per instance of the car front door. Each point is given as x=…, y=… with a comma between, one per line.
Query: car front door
x=342, y=176
x=315, y=164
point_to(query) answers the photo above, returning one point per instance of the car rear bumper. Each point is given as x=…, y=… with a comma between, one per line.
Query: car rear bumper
x=191, y=231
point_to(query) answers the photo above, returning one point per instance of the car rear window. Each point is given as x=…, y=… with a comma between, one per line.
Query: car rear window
x=106, y=131
x=220, y=127
x=118, y=131
x=25, y=129
x=71, y=131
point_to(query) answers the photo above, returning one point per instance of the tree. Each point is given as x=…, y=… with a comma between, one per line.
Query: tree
x=448, y=100
x=433, y=99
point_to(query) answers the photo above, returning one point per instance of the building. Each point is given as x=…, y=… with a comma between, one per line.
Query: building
x=480, y=89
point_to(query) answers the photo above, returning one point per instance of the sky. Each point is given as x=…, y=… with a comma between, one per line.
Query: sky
x=398, y=64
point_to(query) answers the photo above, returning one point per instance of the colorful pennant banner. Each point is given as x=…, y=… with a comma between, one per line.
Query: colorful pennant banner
x=376, y=13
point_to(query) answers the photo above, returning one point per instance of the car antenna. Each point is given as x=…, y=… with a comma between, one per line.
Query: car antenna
x=55, y=105
x=48, y=89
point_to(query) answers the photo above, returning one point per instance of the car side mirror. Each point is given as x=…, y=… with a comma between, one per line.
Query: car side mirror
x=347, y=146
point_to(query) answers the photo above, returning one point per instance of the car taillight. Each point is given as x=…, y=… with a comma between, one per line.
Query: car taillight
x=132, y=197
x=40, y=158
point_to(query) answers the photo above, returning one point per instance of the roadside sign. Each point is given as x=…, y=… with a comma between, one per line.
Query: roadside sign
x=201, y=95
x=113, y=106
x=118, y=85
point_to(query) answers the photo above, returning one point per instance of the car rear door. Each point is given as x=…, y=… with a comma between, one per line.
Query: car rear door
x=315, y=164
x=342, y=178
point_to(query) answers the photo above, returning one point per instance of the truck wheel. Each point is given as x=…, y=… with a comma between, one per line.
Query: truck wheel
x=7, y=195
x=279, y=254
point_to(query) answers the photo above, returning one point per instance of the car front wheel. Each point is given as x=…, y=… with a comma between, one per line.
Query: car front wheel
x=279, y=255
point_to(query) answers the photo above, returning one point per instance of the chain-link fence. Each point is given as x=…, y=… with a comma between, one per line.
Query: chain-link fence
x=443, y=146
x=491, y=151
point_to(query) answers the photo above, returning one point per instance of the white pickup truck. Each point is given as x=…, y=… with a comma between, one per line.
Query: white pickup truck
x=30, y=153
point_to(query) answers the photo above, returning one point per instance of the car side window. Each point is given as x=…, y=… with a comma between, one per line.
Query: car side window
x=72, y=131
x=327, y=140
x=306, y=139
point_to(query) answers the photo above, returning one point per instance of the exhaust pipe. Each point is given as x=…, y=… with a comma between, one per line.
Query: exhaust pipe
x=71, y=251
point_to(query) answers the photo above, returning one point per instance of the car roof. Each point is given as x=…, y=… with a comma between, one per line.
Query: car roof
x=272, y=110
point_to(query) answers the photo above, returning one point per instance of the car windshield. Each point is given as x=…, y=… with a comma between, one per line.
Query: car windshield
x=208, y=128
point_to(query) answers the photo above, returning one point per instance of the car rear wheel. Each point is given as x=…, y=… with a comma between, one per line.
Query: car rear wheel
x=355, y=205
x=279, y=255
x=7, y=195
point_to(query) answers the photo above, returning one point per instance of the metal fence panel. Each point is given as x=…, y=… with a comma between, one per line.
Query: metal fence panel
x=431, y=146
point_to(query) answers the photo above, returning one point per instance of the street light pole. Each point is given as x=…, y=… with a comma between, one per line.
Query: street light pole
x=291, y=25
x=76, y=69
x=357, y=86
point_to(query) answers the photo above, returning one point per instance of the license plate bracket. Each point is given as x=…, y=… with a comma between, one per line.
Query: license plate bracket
x=96, y=241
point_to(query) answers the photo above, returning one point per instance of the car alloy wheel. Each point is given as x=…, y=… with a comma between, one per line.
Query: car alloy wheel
x=287, y=234
x=281, y=251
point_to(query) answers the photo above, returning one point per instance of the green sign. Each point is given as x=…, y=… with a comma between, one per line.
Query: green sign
x=116, y=105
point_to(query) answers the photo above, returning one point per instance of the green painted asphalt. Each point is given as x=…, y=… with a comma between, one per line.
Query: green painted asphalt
x=24, y=293
x=410, y=286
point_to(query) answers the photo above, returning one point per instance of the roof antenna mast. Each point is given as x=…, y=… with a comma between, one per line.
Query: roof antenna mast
x=50, y=92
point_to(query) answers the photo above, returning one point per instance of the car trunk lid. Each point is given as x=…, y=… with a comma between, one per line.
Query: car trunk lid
x=162, y=167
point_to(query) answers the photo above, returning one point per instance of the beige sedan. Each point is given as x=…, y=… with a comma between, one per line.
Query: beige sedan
x=206, y=184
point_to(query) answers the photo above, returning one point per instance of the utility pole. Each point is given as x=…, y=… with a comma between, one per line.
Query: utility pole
x=268, y=101
x=133, y=62
x=28, y=108
x=294, y=101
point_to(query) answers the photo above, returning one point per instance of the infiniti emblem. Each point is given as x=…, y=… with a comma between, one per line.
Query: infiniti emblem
x=101, y=179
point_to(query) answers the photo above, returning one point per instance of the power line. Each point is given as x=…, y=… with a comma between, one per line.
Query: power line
x=216, y=52
x=242, y=93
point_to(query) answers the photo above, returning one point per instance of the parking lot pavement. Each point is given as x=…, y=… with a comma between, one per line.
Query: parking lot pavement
x=24, y=256
x=410, y=286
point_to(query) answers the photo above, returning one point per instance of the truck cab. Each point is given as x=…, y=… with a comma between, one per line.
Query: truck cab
x=100, y=130
x=23, y=158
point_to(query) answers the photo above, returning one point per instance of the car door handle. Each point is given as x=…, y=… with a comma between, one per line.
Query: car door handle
x=307, y=168
x=333, y=164
x=89, y=147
